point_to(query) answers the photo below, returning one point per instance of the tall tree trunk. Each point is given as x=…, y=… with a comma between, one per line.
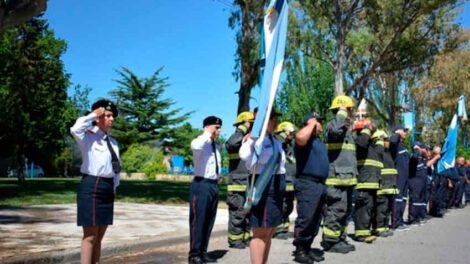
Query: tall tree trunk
x=244, y=96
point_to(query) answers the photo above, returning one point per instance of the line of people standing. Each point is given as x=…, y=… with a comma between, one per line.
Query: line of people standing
x=355, y=163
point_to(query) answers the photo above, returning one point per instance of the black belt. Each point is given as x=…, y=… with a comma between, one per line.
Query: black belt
x=311, y=178
x=202, y=179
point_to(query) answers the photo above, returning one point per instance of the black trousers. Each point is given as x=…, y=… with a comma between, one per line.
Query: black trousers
x=438, y=197
x=417, y=204
x=311, y=197
x=366, y=202
x=238, y=221
x=400, y=201
x=202, y=212
x=381, y=222
x=338, y=208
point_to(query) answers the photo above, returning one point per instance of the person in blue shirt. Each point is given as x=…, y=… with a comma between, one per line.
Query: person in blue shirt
x=310, y=190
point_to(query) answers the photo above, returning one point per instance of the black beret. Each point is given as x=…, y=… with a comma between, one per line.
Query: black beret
x=211, y=120
x=309, y=116
x=108, y=105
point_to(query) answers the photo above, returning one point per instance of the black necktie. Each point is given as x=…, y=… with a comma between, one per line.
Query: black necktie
x=114, y=159
x=215, y=155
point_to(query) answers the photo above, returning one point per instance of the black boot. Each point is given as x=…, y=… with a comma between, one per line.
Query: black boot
x=301, y=256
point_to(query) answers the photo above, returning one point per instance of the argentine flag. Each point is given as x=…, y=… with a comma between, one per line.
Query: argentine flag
x=273, y=43
x=449, y=150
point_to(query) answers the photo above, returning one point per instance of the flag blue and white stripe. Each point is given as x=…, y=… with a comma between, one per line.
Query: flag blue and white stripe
x=449, y=149
x=273, y=42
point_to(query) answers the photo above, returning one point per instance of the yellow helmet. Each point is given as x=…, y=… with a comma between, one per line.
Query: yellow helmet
x=245, y=117
x=285, y=126
x=379, y=135
x=342, y=101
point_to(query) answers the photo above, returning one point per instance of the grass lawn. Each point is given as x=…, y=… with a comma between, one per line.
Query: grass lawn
x=61, y=190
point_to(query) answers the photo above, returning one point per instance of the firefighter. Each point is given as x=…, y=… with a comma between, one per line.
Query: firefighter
x=401, y=158
x=387, y=192
x=417, y=183
x=341, y=175
x=285, y=133
x=238, y=224
x=369, y=151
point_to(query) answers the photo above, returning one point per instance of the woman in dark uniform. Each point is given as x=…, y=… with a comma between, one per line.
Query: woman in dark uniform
x=267, y=214
x=100, y=168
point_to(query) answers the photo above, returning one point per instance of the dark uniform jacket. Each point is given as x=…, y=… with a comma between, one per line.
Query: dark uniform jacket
x=418, y=166
x=290, y=157
x=389, y=175
x=400, y=155
x=341, y=152
x=369, y=161
x=237, y=168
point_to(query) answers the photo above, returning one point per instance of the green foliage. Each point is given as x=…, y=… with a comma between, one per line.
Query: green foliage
x=143, y=114
x=33, y=92
x=182, y=144
x=143, y=158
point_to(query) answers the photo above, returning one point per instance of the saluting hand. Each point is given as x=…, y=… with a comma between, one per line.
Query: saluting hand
x=99, y=111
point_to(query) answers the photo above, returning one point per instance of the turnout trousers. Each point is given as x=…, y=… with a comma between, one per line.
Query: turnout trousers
x=338, y=207
x=383, y=215
x=238, y=221
x=311, y=197
x=366, y=202
x=202, y=212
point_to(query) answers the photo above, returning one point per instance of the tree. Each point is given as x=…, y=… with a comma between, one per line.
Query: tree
x=183, y=136
x=436, y=94
x=143, y=114
x=15, y=12
x=246, y=18
x=33, y=93
x=309, y=83
x=374, y=37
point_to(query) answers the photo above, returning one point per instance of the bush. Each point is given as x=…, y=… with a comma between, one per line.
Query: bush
x=143, y=158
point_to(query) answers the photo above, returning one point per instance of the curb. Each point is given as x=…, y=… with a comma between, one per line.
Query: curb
x=73, y=255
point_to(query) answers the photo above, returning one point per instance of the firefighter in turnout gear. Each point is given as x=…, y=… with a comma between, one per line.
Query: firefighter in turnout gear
x=387, y=192
x=285, y=133
x=341, y=176
x=238, y=226
x=369, y=151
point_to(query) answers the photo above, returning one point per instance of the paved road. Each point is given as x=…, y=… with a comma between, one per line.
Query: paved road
x=158, y=234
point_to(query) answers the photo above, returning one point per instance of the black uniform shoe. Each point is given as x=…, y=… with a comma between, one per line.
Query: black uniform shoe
x=207, y=259
x=282, y=236
x=302, y=257
x=195, y=260
x=349, y=246
x=240, y=245
x=339, y=247
x=316, y=256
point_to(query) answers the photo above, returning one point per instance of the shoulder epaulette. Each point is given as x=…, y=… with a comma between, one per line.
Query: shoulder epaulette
x=90, y=131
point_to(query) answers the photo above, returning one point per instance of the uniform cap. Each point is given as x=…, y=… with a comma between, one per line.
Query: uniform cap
x=108, y=106
x=211, y=120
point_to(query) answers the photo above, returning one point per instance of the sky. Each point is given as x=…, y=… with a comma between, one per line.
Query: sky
x=191, y=39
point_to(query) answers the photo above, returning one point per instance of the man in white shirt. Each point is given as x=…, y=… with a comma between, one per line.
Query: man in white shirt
x=204, y=193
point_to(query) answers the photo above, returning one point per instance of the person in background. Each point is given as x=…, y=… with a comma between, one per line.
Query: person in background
x=285, y=133
x=309, y=185
x=238, y=221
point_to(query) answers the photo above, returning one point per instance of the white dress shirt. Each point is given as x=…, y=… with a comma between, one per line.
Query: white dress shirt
x=95, y=153
x=247, y=151
x=204, y=158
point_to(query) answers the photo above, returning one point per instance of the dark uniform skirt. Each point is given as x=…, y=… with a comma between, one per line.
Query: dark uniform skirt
x=268, y=212
x=95, y=201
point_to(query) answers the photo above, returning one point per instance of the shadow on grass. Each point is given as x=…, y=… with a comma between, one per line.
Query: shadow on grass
x=53, y=191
